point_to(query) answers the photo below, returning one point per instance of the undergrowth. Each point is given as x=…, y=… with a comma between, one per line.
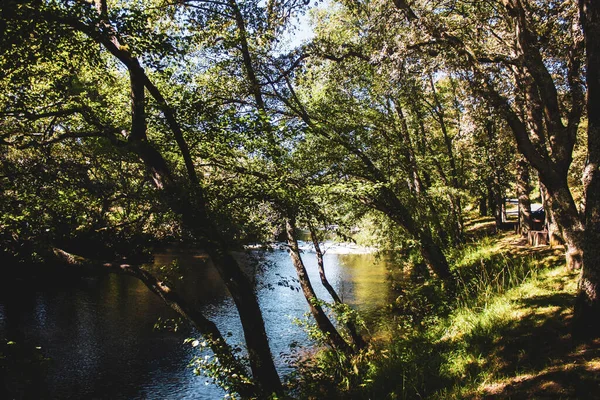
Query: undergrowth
x=437, y=343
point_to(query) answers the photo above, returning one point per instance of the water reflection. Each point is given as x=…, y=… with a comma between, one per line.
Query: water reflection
x=98, y=332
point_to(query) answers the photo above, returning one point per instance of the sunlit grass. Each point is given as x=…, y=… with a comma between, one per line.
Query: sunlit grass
x=506, y=331
x=471, y=332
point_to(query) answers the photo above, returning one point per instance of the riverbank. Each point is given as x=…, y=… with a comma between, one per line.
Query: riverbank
x=507, y=335
x=85, y=337
x=518, y=344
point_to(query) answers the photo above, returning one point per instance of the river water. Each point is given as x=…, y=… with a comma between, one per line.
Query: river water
x=98, y=339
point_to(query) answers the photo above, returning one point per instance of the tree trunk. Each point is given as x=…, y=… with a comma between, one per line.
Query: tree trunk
x=587, y=305
x=189, y=203
x=491, y=201
x=498, y=205
x=554, y=236
x=191, y=208
x=388, y=203
x=257, y=342
x=523, y=191
x=357, y=339
x=435, y=259
x=483, y=208
x=333, y=337
x=563, y=210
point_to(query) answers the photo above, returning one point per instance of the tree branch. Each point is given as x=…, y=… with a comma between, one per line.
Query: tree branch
x=207, y=328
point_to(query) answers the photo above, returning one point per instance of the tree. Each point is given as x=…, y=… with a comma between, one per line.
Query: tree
x=545, y=128
x=181, y=192
x=357, y=129
x=523, y=191
x=553, y=104
x=587, y=307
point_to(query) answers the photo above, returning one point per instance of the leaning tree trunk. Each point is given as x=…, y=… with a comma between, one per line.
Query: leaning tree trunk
x=207, y=328
x=523, y=191
x=587, y=306
x=357, y=339
x=333, y=337
x=190, y=206
x=186, y=197
x=388, y=203
x=257, y=342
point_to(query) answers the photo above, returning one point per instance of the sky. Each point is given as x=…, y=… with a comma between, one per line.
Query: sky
x=302, y=31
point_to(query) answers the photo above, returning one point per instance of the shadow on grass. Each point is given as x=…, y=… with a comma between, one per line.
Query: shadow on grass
x=497, y=347
x=577, y=382
x=534, y=356
x=538, y=355
x=563, y=300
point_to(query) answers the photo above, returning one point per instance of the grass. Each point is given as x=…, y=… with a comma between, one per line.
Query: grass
x=516, y=338
x=507, y=336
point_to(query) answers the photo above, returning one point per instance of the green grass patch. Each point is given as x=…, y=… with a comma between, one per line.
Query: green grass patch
x=507, y=324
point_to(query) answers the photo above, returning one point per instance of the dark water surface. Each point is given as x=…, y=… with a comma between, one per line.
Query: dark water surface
x=99, y=338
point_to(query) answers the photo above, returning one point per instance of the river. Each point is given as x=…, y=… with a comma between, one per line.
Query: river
x=97, y=334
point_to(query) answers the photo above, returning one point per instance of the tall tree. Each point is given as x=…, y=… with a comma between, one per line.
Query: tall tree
x=183, y=193
x=359, y=128
x=587, y=307
x=545, y=129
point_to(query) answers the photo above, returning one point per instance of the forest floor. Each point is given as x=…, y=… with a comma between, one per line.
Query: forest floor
x=504, y=334
x=529, y=352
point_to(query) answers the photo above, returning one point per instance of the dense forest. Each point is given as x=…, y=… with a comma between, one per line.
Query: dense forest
x=129, y=126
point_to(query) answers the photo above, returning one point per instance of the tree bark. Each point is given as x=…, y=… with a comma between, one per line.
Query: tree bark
x=523, y=191
x=564, y=212
x=332, y=336
x=587, y=305
x=257, y=342
x=554, y=235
